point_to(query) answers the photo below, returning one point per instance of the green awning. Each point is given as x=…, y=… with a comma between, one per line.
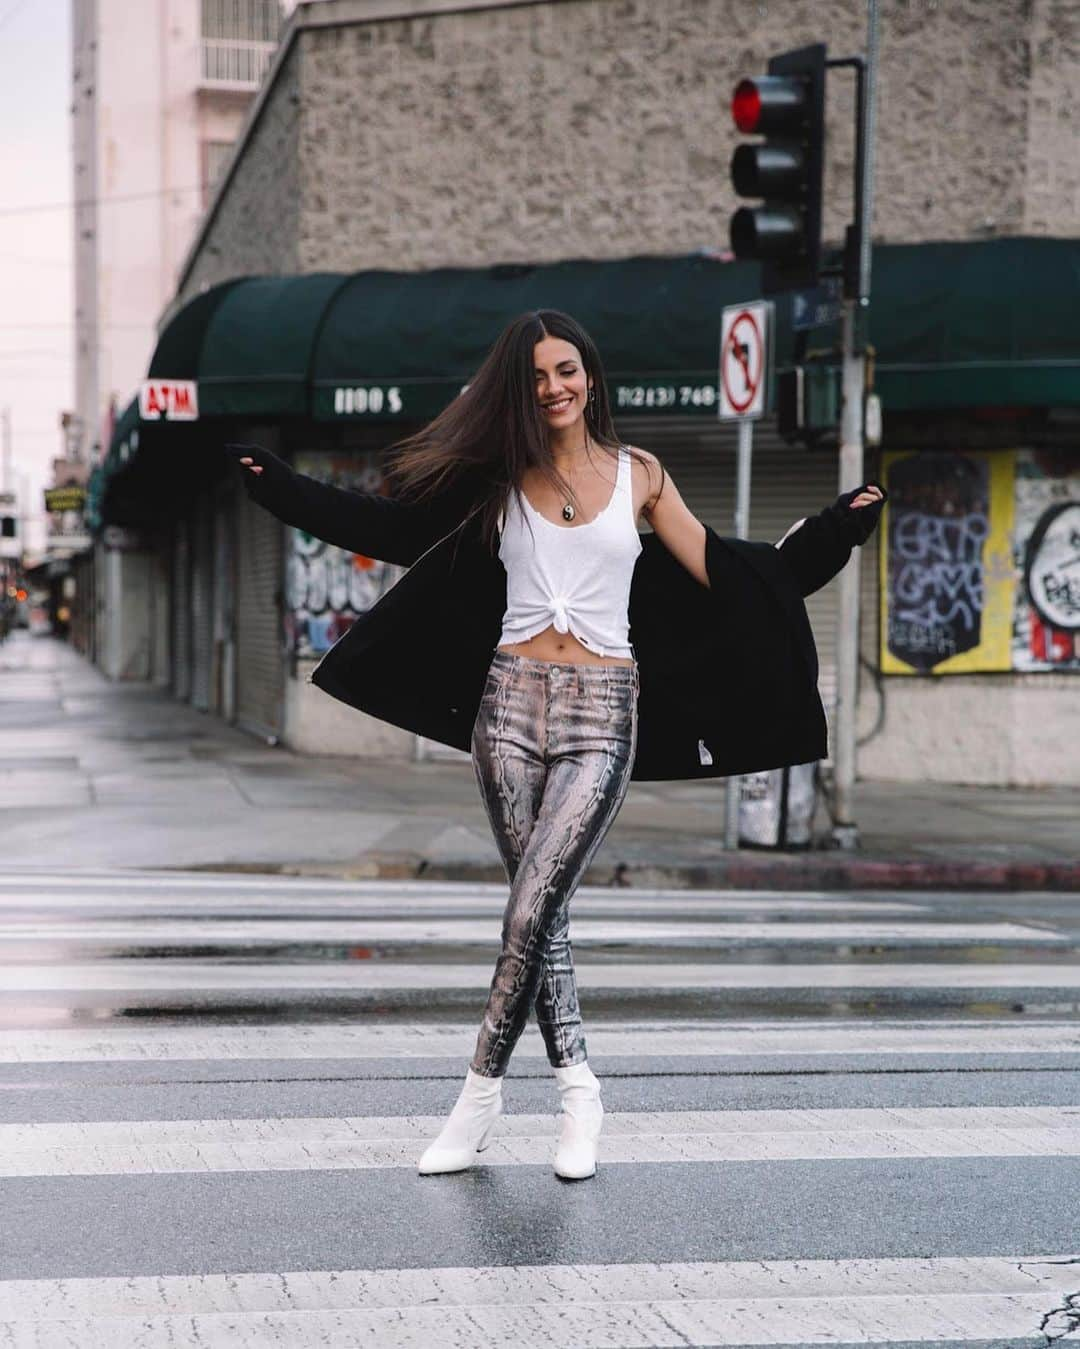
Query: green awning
x=124, y=442
x=178, y=353
x=976, y=324
x=986, y=324
x=257, y=349
x=401, y=344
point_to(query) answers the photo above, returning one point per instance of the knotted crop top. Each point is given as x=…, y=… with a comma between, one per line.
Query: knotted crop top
x=575, y=578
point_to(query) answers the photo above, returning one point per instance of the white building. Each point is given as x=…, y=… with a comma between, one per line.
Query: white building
x=160, y=89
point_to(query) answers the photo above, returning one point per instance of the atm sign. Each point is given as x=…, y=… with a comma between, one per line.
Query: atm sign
x=169, y=400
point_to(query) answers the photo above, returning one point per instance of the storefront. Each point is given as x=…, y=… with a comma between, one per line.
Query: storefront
x=329, y=369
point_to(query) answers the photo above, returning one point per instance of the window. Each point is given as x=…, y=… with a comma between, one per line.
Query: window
x=238, y=41
x=241, y=20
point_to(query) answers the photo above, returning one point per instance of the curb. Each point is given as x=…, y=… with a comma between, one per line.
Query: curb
x=829, y=871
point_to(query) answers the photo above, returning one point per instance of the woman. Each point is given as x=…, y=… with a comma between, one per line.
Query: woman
x=528, y=456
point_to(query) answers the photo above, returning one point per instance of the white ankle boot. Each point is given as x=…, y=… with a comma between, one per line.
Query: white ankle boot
x=575, y=1158
x=468, y=1127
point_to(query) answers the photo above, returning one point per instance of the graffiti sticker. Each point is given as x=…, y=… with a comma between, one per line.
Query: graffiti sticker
x=1052, y=567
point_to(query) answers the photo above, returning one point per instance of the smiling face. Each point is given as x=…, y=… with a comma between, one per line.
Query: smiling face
x=562, y=386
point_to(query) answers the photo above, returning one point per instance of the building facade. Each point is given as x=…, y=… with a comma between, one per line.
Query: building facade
x=159, y=94
x=521, y=135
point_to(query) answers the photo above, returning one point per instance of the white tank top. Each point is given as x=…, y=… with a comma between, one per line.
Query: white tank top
x=575, y=578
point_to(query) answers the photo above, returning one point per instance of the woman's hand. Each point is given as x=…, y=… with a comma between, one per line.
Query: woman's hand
x=241, y=454
x=867, y=497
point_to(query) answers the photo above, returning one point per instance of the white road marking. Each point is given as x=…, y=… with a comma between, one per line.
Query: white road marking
x=367, y=931
x=366, y=1143
x=760, y=1302
x=479, y=899
x=349, y=1040
x=357, y=975
x=15, y=882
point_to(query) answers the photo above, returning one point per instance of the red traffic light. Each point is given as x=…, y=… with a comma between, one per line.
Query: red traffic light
x=784, y=110
x=770, y=104
x=746, y=105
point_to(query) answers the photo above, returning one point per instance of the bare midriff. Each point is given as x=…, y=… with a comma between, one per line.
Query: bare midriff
x=561, y=646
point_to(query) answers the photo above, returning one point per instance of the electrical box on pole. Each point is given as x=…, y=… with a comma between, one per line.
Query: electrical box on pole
x=786, y=107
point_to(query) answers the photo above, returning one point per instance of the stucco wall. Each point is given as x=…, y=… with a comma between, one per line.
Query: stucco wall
x=1005, y=730
x=1052, y=193
x=318, y=724
x=600, y=128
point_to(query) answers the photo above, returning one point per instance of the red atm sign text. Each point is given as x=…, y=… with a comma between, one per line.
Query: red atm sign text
x=170, y=400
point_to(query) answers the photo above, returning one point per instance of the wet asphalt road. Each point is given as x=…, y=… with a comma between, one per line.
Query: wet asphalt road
x=831, y=1119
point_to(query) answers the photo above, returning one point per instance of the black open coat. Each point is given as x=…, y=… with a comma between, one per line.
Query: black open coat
x=728, y=672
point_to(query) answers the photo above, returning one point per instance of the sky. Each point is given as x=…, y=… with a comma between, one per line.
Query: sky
x=36, y=253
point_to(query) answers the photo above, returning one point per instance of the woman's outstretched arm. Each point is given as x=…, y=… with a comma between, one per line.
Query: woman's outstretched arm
x=816, y=548
x=362, y=522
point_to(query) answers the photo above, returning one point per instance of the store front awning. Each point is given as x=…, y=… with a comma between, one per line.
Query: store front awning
x=953, y=325
x=986, y=324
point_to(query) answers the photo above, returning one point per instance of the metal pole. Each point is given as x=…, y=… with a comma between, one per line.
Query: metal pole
x=9, y=468
x=845, y=830
x=742, y=531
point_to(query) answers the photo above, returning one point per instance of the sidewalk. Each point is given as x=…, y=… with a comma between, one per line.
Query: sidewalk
x=97, y=774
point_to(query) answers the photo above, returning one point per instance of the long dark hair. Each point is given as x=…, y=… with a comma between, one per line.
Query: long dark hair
x=494, y=430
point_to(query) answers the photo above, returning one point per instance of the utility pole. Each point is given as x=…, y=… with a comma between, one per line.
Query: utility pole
x=845, y=832
x=8, y=460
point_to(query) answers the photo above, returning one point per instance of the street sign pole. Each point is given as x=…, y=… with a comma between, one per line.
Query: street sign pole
x=742, y=530
x=745, y=360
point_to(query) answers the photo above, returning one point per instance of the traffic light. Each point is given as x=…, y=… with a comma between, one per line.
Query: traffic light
x=784, y=170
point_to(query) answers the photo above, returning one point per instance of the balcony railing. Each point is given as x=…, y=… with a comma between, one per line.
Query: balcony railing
x=231, y=64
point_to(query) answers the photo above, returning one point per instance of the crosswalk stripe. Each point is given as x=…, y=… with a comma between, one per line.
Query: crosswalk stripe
x=760, y=1302
x=475, y=902
x=450, y=930
x=58, y=884
x=358, y=975
x=349, y=1040
x=356, y=1143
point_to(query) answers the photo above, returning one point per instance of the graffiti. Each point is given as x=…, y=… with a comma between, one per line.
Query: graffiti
x=1046, y=622
x=327, y=588
x=1052, y=569
x=939, y=583
x=938, y=527
x=980, y=562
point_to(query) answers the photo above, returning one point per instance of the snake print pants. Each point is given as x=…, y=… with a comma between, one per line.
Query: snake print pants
x=553, y=746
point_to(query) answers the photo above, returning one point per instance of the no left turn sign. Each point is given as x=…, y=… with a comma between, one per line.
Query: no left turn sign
x=744, y=348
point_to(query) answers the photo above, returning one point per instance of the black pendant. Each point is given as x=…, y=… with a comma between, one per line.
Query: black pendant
x=568, y=512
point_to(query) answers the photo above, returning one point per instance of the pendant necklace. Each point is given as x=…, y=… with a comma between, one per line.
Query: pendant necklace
x=568, y=511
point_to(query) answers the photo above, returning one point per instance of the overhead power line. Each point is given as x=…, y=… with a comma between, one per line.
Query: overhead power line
x=96, y=201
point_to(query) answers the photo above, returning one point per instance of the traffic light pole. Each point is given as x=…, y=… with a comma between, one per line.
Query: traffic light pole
x=845, y=832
